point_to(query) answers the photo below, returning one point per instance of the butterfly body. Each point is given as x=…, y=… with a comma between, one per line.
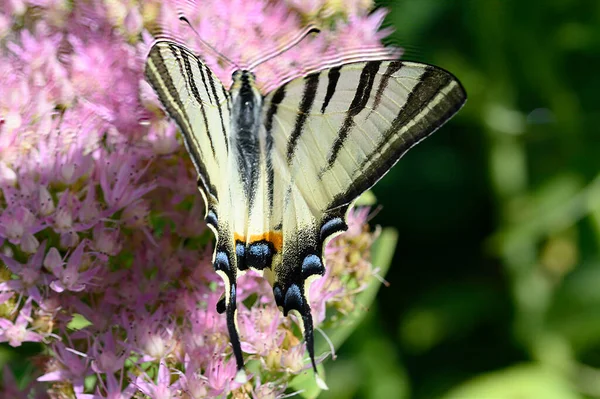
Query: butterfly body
x=278, y=171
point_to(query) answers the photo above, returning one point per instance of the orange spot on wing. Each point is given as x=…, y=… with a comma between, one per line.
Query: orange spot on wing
x=274, y=237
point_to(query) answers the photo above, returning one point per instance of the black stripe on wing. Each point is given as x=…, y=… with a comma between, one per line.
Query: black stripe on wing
x=333, y=76
x=359, y=102
x=194, y=89
x=308, y=98
x=214, y=91
x=391, y=69
x=434, y=100
x=276, y=100
x=162, y=81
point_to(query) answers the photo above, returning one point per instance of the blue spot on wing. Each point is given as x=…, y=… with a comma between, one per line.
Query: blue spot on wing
x=222, y=262
x=240, y=251
x=278, y=294
x=312, y=265
x=332, y=226
x=293, y=300
x=259, y=255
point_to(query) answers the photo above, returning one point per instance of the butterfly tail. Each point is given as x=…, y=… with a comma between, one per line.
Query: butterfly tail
x=309, y=338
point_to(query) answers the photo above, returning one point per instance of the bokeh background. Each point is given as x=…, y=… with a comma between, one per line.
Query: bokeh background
x=495, y=282
x=494, y=287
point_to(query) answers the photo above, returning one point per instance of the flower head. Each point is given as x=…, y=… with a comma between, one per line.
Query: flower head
x=104, y=255
x=17, y=332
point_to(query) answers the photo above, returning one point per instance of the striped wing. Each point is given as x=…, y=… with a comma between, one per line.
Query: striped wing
x=195, y=98
x=339, y=131
x=333, y=135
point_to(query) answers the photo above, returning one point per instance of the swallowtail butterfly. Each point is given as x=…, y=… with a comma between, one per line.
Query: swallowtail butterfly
x=279, y=170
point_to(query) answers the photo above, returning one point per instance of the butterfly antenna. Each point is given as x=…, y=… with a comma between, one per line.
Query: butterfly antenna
x=230, y=62
x=311, y=28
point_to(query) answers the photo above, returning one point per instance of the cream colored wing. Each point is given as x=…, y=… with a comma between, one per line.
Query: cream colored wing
x=329, y=137
x=201, y=106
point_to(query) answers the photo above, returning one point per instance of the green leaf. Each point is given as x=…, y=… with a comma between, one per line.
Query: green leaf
x=382, y=253
x=366, y=199
x=306, y=383
x=527, y=381
x=78, y=322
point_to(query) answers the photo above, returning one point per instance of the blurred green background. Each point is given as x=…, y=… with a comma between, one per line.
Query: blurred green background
x=495, y=283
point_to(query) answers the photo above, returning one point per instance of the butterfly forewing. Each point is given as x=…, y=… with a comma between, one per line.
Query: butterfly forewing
x=197, y=101
x=355, y=124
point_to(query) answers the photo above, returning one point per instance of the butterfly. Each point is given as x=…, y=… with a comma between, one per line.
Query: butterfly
x=278, y=171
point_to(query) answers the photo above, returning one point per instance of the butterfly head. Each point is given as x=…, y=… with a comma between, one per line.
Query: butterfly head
x=241, y=78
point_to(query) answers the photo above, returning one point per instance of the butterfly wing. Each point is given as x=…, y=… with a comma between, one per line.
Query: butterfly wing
x=195, y=98
x=198, y=102
x=330, y=136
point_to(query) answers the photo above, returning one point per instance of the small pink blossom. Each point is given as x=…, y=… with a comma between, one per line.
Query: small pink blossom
x=109, y=354
x=159, y=389
x=70, y=277
x=106, y=240
x=46, y=202
x=69, y=366
x=259, y=328
x=16, y=222
x=30, y=274
x=119, y=181
x=220, y=375
x=18, y=332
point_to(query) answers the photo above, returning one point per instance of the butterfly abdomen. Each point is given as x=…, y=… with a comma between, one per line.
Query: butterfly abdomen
x=245, y=121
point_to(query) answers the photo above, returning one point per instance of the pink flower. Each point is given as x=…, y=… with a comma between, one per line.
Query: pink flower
x=70, y=366
x=106, y=241
x=259, y=329
x=102, y=240
x=159, y=389
x=119, y=181
x=194, y=384
x=113, y=388
x=105, y=72
x=220, y=375
x=154, y=334
x=40, y=54
x=18, y=332
x=17, y=222
x=108, y=354
x=74, y=276
x=260, y=23
x=29, y=274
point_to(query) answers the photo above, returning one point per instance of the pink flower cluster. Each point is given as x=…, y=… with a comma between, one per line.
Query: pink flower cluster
x=104, y=256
